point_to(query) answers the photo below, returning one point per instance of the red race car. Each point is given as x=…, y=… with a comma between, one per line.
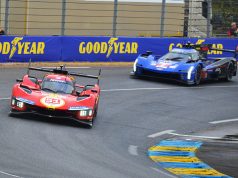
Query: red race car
x=56, y=95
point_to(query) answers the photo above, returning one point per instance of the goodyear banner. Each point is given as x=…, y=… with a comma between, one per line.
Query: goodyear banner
x=21, y=49
x=92, y=49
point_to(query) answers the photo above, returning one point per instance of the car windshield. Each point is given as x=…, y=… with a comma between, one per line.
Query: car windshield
x=177, y=56
x=57, y=86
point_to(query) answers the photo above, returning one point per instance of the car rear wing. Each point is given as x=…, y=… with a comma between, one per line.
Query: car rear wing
x=62, y=70
x=204, y=48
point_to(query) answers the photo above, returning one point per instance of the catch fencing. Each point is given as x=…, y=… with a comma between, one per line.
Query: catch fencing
x=132, y=18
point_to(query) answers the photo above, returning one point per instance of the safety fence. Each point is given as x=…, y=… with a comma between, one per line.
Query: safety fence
x=97, y=49
x=148, y=18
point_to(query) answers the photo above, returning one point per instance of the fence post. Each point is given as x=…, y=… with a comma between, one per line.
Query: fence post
x=114, y=25
x=162, y=18
x=63, y=17
x=209, y=10
x=6, y=17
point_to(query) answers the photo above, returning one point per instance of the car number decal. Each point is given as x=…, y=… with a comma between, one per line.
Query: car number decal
x=52, y=101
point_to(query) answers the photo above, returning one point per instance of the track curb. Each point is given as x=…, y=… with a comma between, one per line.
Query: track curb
x=178, y=157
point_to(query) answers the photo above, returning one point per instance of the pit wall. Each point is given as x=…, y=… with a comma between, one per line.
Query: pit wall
x=96, y=49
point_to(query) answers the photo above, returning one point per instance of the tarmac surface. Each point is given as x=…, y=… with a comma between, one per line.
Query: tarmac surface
x=134, y=114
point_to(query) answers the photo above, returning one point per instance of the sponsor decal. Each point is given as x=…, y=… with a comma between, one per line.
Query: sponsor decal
x=52, y=101
x=162, y=65
x=173, y=66
x=25, y=101
x=108, y=48
x=76, y=108
x=58, y=80
x=17, y=46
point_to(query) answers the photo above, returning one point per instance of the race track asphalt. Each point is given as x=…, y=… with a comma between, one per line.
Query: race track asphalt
x=116, y=147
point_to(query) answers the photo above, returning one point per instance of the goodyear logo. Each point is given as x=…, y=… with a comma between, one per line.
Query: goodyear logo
x=112, y=46
x=16, y=46
x=200, y=41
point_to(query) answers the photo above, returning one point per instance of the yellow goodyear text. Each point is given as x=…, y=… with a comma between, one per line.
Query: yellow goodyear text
x=176, y=159
x=200, y=41
x=112, y=46
x=194, y=171
x=16, y=46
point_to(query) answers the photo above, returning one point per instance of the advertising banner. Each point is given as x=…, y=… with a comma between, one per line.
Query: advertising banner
x=97, y=49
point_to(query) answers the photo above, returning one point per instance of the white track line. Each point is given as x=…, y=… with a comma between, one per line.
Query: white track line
x=160, y=133
x=165, y=88
x=139, y=89
x=7, y=98
x=8, y=174
x=162, y=88
x=132, y=149
x=163, y=172
x=194, y=136
x=224, y=121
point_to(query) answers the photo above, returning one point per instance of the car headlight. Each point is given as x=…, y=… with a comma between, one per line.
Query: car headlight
x=190, y=70
x=134, y=66
x=84, y=113
x=13, y=102
x=20, y=104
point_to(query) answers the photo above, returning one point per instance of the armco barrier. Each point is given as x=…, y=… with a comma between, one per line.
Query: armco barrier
x=96, y=49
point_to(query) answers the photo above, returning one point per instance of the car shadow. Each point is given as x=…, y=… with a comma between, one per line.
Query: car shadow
x=180, y=84
x=51, y=120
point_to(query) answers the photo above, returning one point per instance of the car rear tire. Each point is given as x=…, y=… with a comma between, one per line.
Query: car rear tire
x=198, y=75
x=229, y=72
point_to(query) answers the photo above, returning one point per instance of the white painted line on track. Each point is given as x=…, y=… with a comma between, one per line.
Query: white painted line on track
x=162, y=88
x=224, y=121
x=194, y=136
x=132, y=149
x=163, y=172
x=140, y=89
x=8, y=174
x=7, y=98
x=160, y=133
x=165, y=88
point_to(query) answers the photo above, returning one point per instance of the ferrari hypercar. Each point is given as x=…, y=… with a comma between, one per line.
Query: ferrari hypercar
x=189, y=65
x=56, y=95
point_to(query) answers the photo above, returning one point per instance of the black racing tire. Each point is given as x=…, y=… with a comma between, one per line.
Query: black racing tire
x=198, y=75
x=133, y=76
x=90, y=124
x=95, y=112
x=229, y=72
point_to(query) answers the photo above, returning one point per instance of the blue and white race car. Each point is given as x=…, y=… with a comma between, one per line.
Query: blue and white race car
x=189, y=65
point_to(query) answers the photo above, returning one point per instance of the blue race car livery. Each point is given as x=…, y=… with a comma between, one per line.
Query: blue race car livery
x=189, y=65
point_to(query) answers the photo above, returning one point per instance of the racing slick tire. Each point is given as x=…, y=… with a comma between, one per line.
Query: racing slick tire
x=229, y=72
x=95, y=112
x=198, y=75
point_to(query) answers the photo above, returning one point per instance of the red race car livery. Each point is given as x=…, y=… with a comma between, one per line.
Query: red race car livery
x=56, y=95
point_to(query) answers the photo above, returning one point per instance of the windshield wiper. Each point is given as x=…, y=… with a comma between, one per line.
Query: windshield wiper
x=48, y=89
